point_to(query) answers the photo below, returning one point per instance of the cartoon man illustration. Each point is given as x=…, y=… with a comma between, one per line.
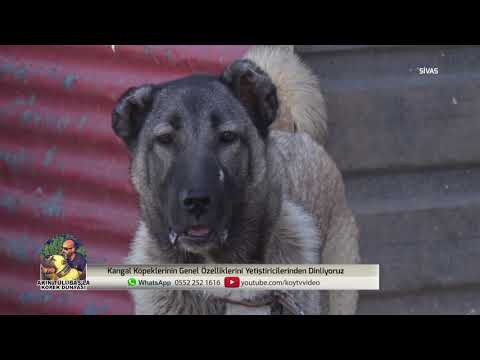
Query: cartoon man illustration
x=74, y=259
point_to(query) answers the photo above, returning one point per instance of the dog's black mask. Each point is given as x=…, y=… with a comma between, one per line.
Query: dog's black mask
x=193, y=144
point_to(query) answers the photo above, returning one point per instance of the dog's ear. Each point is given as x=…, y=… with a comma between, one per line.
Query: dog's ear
x=255, y=90
x=130, y=112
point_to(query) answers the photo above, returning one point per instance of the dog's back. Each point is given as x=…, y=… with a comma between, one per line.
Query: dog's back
x=312, y=179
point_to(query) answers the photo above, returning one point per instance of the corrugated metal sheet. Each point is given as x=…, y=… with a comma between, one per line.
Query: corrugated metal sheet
x=408, y=146
x=61, y=168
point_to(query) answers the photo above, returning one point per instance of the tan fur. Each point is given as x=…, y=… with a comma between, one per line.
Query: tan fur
x=313, y=224
x=301, y=102
x=321, y=193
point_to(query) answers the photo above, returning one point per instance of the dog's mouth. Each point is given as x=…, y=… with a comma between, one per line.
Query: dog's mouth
x=198, y=231
x=197, y=236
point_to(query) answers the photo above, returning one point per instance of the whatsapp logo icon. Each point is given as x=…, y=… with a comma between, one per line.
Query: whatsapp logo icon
x=132, y=282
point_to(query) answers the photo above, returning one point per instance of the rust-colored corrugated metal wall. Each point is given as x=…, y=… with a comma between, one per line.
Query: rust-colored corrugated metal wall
x=61, y=167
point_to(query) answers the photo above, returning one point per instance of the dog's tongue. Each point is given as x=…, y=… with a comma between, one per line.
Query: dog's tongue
x=198, y=230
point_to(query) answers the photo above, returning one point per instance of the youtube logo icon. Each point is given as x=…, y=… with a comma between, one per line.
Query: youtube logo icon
x=232, y=282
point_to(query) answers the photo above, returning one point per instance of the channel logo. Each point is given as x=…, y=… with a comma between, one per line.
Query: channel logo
x=232, y=281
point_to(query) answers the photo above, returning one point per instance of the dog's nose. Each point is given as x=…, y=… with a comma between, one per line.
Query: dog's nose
x=195, y=202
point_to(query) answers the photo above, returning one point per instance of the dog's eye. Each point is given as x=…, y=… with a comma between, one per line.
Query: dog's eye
x=165, y=139
x=228, y=136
